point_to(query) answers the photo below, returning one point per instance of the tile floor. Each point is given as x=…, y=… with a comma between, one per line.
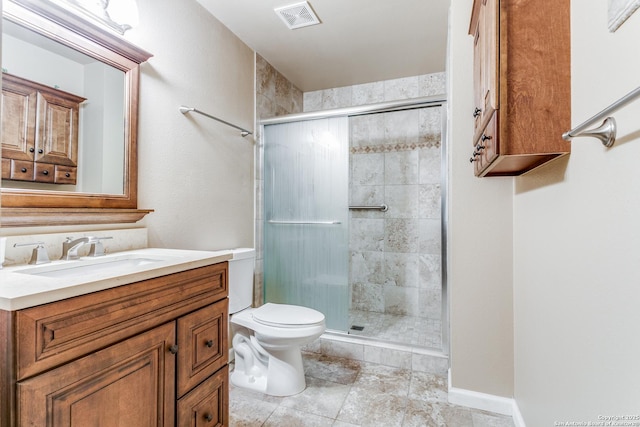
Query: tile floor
x=349, y=393
x=409, y=330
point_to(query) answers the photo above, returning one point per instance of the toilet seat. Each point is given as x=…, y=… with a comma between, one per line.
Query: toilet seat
x=287, y=316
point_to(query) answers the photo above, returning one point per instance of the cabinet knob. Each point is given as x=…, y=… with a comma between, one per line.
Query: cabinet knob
x=23, y=170
x=31, y=150
x=476, y=112
x=208, y=417
x=40, y=151
x=173, y=349
x=209, y=343
x=45, y=172
x=485, y=137
x=67, y=174
x=473, y=159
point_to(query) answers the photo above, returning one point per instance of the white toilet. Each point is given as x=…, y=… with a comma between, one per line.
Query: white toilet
x=267, y=339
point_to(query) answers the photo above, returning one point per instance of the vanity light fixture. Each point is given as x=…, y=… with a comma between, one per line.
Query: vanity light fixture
x=118, y=15
x=297, y=15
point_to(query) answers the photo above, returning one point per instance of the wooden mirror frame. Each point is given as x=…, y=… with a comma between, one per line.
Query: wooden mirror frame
x=19, y=207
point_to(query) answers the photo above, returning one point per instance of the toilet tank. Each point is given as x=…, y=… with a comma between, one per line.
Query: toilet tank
x=241, y=279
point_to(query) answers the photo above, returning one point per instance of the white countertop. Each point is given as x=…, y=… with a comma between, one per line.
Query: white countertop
x=19, y=290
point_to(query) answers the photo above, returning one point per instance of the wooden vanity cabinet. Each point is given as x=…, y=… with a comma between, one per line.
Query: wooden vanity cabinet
x=522, y=84
x=39, y=132
x=151, y=353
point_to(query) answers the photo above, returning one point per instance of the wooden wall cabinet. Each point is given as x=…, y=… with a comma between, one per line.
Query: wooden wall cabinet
x=522, y=84
x=152, y=353
x=39, y=132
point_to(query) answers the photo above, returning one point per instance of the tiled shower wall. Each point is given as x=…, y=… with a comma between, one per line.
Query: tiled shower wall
x=394, y=159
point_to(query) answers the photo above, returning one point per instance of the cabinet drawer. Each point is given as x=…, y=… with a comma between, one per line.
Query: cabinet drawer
x=22, y=170
x=55, y=333
x=203, y=346
x=207, y=405
x=44, y=172
x=65, y=174
x=486, y=146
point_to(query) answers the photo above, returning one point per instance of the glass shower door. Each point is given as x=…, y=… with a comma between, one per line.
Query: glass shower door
x=306, y=236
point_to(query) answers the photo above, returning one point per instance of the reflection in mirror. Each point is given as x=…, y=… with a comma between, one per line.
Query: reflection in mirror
x=82, y=153
x=79, y=189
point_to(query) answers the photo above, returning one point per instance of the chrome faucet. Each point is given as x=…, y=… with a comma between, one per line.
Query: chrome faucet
x=70, y=247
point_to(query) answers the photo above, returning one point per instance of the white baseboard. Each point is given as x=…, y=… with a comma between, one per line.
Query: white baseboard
x=518, y=421
x=486, y=402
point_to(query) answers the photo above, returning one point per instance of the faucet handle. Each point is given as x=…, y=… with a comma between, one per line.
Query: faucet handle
x=39, y=254
x=97, y=248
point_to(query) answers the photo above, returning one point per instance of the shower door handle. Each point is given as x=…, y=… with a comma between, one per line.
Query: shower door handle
x=305, y=222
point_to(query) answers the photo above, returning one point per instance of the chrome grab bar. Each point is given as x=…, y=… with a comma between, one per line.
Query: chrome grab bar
x=383, y=207
x=305, y=222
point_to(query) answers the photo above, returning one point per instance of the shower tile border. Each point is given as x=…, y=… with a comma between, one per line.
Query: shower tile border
x=389, y=148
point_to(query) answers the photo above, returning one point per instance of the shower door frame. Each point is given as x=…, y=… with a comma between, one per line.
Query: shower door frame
x=385, y=107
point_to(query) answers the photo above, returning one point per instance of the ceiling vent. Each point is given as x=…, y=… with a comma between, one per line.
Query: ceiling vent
x=297, y=15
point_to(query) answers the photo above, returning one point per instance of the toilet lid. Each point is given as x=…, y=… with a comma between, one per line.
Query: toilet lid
x=287, y=315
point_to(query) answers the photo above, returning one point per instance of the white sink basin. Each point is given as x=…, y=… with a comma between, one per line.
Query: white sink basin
x=84, y=266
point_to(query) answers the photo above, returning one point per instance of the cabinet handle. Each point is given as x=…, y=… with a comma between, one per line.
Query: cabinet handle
x=476, y=112
x=209, y=343
x=485, y=137
x=45, y=172
x=208, y=417
x=173, y=349
x=31, y=150
x=23, y=170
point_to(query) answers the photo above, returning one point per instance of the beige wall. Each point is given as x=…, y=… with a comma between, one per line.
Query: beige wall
x=195, y=173
x=577, y=246
x=479, y=240
x=566, y=235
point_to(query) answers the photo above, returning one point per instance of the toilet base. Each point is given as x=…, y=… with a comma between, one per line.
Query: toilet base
x=242, y=380
x=284, y=375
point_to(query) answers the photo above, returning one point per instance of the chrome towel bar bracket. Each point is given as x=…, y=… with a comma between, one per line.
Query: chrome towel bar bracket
x=606, y=132
x=185, y=110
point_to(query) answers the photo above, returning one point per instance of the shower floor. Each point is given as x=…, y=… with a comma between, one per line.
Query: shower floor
x=409, y=330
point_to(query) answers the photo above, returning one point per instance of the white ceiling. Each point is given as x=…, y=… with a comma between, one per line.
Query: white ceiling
x=358, y=41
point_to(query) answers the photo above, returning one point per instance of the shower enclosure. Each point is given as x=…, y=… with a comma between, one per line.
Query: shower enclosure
x=306, y=217
x=353, y=219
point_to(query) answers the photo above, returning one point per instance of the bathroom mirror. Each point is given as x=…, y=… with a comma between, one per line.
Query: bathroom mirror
x=103, y=69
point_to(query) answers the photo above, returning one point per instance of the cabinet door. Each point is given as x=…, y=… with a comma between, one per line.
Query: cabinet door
x=57, y=130
x=485, y=58
x=207, y=405
x=18, y=120
x=128, y=384
x=202, y=344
